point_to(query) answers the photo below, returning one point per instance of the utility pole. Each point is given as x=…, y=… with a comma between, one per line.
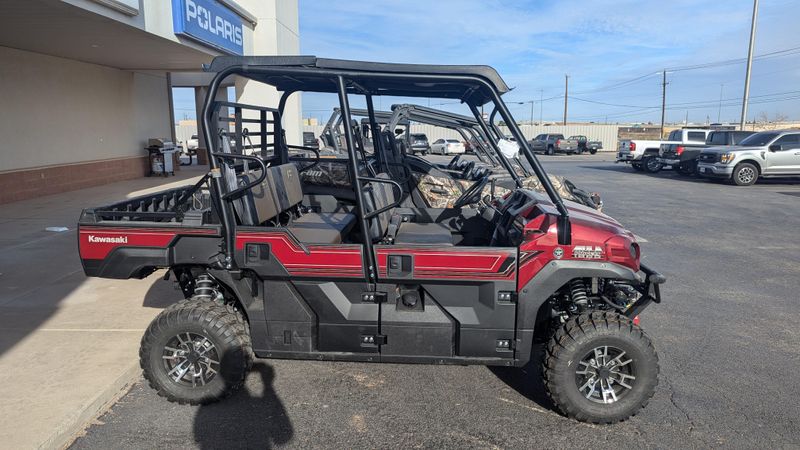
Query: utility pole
x=749, y=66
x=541, y=102
x=566, y=96
x=531, y=113
x=719, y=110
x=663, y=101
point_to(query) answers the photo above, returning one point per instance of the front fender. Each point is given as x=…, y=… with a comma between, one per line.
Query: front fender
x=547, y=281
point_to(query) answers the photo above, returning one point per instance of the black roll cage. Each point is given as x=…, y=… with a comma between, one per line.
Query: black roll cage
x=341, y=75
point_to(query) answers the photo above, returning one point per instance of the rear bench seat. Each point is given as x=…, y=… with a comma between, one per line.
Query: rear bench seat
x=281, y=192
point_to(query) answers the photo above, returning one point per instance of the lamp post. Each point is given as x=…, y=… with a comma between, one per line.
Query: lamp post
x=525, y=103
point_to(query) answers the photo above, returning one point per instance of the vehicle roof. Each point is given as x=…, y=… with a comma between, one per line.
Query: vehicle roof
x=312, y=74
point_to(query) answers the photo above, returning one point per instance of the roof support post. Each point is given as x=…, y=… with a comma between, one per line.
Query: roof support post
x=368, y=256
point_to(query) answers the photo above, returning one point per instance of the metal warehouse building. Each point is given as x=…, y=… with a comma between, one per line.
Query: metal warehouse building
x=85, y=83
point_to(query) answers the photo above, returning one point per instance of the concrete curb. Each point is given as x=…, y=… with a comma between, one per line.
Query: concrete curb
x=65, y=433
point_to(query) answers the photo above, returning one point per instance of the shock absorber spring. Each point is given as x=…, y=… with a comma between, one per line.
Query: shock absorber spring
x=205, y=288
x=577, y=291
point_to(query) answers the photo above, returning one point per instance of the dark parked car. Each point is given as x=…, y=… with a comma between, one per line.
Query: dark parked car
x=419, y=143
x=683, y=157
x=309, y=140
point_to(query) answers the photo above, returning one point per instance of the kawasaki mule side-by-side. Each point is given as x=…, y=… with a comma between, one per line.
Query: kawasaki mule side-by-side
x=273, y=267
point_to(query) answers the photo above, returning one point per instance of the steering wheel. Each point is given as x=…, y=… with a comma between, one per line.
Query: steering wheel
x=472, y=194
x=454, y=162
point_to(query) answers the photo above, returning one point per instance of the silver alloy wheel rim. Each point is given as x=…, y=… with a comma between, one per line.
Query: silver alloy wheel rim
x=652, y=164
x=605, y=375
x=191, y=359
x=746, y=175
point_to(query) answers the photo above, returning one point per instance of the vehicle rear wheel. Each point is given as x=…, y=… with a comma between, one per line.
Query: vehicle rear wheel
x=593, y=151
x=745, y=174
x=651, y=164
x=196, y=352
x=600, y=367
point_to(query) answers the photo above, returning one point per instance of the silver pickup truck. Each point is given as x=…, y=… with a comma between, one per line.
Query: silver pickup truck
x=551, y=144
x=765, y=154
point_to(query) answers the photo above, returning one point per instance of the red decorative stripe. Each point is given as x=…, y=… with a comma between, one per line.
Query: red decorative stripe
x=340, y=260
x=459, y=263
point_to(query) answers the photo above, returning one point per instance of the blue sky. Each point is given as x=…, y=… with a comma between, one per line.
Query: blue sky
x=612, y=50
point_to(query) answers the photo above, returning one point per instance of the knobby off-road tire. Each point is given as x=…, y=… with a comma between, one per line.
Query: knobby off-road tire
x=196, y=352
x=600, y=346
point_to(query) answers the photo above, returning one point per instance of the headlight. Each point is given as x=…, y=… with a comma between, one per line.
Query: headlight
x=725, y=158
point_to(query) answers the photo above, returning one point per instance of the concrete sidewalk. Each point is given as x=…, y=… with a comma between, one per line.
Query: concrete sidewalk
x=68, y=344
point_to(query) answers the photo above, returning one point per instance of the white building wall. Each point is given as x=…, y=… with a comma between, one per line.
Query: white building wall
x=277, y=33
x=65, y=111
x=607, y=134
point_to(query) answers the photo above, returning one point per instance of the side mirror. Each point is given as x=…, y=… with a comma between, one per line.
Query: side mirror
x=775, y=148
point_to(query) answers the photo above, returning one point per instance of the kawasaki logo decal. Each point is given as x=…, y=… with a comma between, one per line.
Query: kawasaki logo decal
x=108, y=240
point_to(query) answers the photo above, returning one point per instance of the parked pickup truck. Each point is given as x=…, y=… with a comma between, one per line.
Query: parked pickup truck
x=585, y=145
x=683, y=157
x=643, y=154
x=551, y=144
x=766, y=154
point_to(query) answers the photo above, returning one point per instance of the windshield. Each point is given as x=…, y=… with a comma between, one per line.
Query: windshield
x=758, y=139
x=453, y=141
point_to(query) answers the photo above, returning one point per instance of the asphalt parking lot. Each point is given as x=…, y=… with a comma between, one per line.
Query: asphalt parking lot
x=726, y=334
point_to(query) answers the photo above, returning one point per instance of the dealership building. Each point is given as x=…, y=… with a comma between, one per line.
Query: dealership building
x=85, y=83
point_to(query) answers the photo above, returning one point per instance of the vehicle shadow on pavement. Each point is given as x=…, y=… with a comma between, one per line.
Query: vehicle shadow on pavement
x=527, y=380
x=245, y=420
x=162, y=294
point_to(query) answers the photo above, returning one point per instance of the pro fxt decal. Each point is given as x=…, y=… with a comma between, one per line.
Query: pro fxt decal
x=587, y=252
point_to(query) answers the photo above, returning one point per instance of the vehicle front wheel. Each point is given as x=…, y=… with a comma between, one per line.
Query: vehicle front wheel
x=593, y=151
x=745, y=174
x=196, y=352
x=600, y=368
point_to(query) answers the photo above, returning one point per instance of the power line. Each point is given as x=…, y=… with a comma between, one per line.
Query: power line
x=778, y=53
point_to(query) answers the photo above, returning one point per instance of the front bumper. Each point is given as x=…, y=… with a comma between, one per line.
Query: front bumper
x=715, y=170
x=649, y=287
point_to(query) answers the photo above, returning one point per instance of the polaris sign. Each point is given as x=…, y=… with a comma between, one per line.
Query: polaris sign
x=209, y=23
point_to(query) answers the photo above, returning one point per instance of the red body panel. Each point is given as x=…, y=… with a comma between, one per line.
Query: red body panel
x=595, y=237
x=96, y=242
